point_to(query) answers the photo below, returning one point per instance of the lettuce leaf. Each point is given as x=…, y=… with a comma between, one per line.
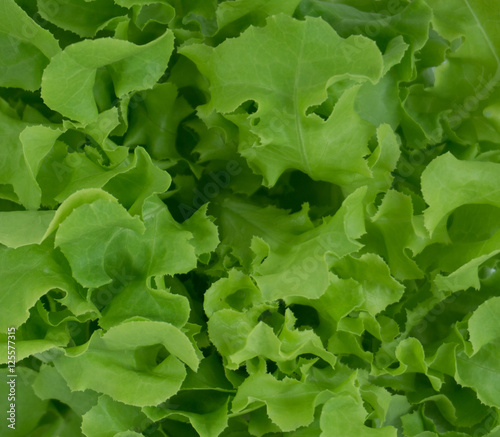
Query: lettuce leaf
x=250, y=218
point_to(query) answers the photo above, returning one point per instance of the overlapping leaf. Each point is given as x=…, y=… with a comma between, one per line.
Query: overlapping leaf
x=233, y=218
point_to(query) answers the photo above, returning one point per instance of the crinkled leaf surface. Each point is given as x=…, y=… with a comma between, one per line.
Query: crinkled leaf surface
x=29, y=272
x=111, y=418
x=128, y=352
x=69, y=79
x=84, y=18
x=464, y=90
x=247, y=217
x=330, y=150
x=85, y=253
x=26, y=48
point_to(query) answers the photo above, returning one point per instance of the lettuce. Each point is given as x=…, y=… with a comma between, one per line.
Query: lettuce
x=265, y=218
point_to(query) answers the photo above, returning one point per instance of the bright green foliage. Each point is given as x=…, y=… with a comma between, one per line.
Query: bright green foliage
x=15, y=168
x=449, y=183
x=289, y=403
x=86, y=252
x=344, y=416
x=250, y=218
x=71, y=75
x=309, y=57
x=32, y=408
x=111, y=418
x=482, y=325
x=22, y=228
x=26, y=48
x=153, y=123
x=49, y=384
x=128, y=352
x=464, y=94
x=84, y=18
x=29, y=272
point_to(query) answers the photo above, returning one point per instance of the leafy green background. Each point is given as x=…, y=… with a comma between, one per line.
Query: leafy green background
x=265, y=218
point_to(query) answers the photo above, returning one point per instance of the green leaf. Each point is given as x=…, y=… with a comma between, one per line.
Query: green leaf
x=132, y=334
x=239, y=221
x=127, y=250
x=35, y=338
x=154, y=117
x=141, y=180
x=26, y=48
x=458, y=405
x=128, y=352
x=483, y=326
x=344, y=416
x=37, y=143
x=153, y=12
x=23, y=228
x=289, y=403
x=131, y=180
x=259, y=423
x=209, y=418
x=110, y=418
x=474, y=63
x=27, y=405
x=300, y=264
x=70, y=77
x=167, y=242
x=205, y=236
x=293, y=245
x=236, y=291
x=15, y=167
x=82, y=17
x=252, y=12
x=481, y=372
x=49, y=384
x=209, y=376
x=464, y=277
x=77, y=199
x=398, y=231
x=137, y=300
x=382, y=163
x=60, y=424
x=85, y=246
x=248, y=217
x=254, y=338
x=288, y=137
x=380, y=289
x=20, y=291
x=448, y=183
x=381, y=23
